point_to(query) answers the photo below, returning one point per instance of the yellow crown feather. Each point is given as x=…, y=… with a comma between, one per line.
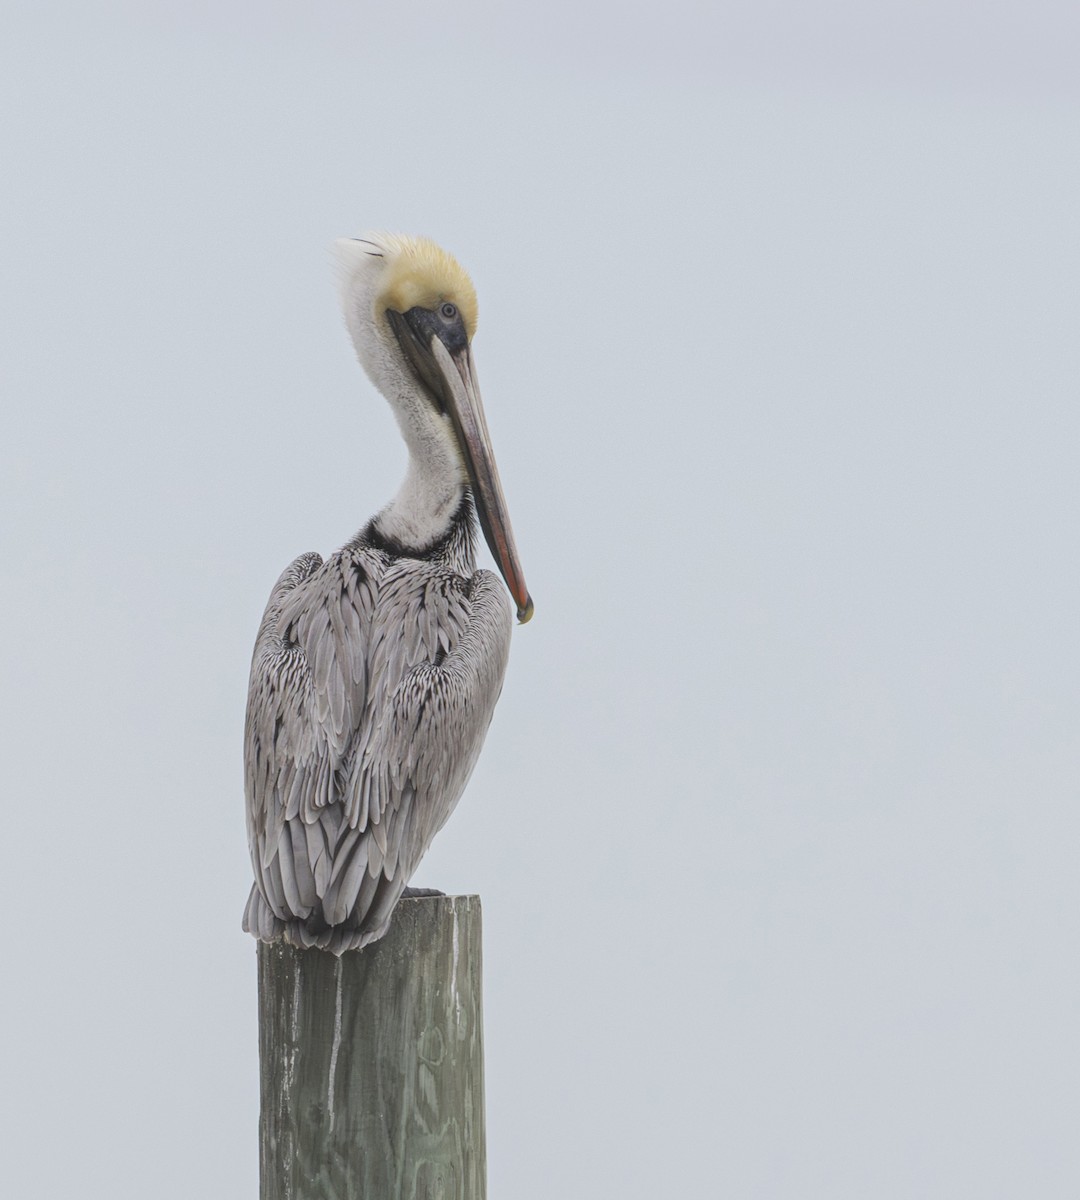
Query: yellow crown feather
x=421, y=273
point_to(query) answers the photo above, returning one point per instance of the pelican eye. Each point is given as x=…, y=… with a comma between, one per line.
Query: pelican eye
x=448, y=311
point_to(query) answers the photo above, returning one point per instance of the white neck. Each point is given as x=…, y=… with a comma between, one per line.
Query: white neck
x=422, y=511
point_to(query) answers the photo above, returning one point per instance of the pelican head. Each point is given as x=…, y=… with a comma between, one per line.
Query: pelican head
x=411, y=311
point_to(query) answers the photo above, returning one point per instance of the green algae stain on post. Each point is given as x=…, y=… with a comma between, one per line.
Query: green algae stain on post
x=372, y=1066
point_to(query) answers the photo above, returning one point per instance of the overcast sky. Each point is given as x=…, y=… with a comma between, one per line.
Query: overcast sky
x=776, y=828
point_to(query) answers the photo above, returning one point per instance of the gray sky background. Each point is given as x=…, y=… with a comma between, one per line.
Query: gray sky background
x=776, y=827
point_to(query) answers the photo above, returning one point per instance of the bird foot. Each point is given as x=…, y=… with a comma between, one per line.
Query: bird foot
x=411, y=893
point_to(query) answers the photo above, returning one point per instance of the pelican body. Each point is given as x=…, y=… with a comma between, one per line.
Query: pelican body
x=375, y=673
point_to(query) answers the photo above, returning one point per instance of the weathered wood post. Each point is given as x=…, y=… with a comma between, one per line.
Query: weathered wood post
x=372, y=1065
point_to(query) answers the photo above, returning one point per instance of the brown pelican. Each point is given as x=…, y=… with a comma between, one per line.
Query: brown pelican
x=376, y=672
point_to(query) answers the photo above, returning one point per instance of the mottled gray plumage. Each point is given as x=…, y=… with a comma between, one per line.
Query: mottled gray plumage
x=373, y=682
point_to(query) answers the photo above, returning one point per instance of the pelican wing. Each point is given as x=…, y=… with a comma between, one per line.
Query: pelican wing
x=413, y=764
x=305, y=699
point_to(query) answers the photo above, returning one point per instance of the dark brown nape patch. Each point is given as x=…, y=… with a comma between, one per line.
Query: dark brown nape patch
x=461, y=525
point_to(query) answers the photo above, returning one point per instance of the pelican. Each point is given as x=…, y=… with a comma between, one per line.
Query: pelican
x=375, y=673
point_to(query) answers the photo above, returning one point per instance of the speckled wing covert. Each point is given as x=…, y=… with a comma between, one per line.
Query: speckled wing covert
x=373, y=683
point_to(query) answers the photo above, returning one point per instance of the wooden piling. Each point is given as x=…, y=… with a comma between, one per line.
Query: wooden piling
x=371, y=1064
